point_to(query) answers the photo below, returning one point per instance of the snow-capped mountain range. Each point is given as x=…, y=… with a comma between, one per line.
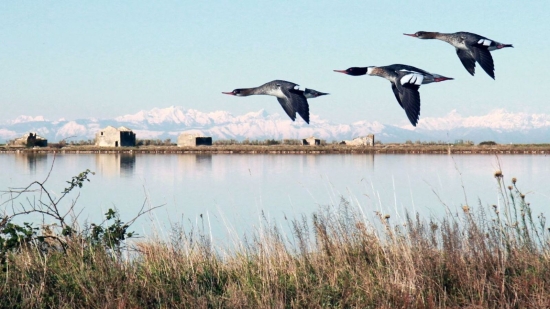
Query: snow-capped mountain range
x=499, y=125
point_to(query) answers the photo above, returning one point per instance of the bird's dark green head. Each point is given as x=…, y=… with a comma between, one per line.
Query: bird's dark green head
x=422, y=35
x=310, y=93
x=237, y=92
x=354, y=71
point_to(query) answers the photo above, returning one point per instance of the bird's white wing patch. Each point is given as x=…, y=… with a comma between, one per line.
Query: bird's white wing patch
x=276, y=93
x=405, y=79
x=413, y=78
x=484, y=42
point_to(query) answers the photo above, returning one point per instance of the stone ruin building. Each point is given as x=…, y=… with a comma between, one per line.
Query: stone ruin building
x=193, y=140
x=361, y=141
x=311, y=141
x=115, y=137
x=31, y=140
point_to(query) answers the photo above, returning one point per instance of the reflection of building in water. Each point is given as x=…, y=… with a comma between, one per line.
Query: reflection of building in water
x=127, y=163
x=310, y=162
x=204, y=159
x=115, y=164
x=190, y=163
x=29, y=162
x=370, y=159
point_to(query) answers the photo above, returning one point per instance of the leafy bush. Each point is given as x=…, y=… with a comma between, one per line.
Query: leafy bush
x=60, y=232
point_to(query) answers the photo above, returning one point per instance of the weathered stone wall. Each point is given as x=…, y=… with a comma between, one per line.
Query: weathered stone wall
x=192, y=140
x=108, y=137
x=361, y=141
x=187, y=140
x=204, y=141
x=127, y=139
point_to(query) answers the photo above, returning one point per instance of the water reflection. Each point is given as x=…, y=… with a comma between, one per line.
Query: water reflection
x=29, y=162
x=115, y=164
x=369, y=160
x=204, y=159
x=191, y=163
x=127, y=163
x=237, y=189
x=358, y=161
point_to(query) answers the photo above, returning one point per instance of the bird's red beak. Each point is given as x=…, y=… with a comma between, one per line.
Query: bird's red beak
x=442, y=78
x=229, y=93
x=413, y=35
x=341, y=71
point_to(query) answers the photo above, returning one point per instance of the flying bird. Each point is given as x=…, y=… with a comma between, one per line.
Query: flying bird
x=405, y=81
x=470, y=47
x=292, y=99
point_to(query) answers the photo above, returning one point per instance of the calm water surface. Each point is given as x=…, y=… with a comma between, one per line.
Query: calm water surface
x=232, y=191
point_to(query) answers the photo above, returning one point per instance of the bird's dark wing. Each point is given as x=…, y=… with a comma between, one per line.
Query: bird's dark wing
x=396, y=93
x=410, y=98
x=467, y=61
x=299, y=102
x=484, y=58
x=407, y=86
x=287, y=106
x=404, y=67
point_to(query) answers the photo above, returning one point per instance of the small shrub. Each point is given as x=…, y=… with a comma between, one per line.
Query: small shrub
x=154, y=142
x=463, y=142
x=291, y=142
x=270, y=142
x=59, y=232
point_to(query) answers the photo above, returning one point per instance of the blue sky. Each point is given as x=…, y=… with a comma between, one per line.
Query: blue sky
x=107, y=58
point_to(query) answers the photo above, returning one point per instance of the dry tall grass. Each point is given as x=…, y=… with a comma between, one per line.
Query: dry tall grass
x=483, y=257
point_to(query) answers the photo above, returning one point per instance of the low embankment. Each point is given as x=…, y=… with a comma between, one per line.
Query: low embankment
x=296, y=149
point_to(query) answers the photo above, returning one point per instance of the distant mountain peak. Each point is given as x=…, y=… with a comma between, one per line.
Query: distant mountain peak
x=498, y=125
x=24, y=118
x=498, y=119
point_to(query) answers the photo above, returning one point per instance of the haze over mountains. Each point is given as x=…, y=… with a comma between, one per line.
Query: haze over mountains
x=499, y=125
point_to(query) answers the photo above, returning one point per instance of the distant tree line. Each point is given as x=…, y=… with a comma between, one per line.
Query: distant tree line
x=82, y=142
x=266, y=142
x=154, y=142
x=440, y=142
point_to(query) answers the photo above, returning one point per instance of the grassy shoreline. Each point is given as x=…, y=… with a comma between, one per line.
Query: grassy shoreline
x=494, y=256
